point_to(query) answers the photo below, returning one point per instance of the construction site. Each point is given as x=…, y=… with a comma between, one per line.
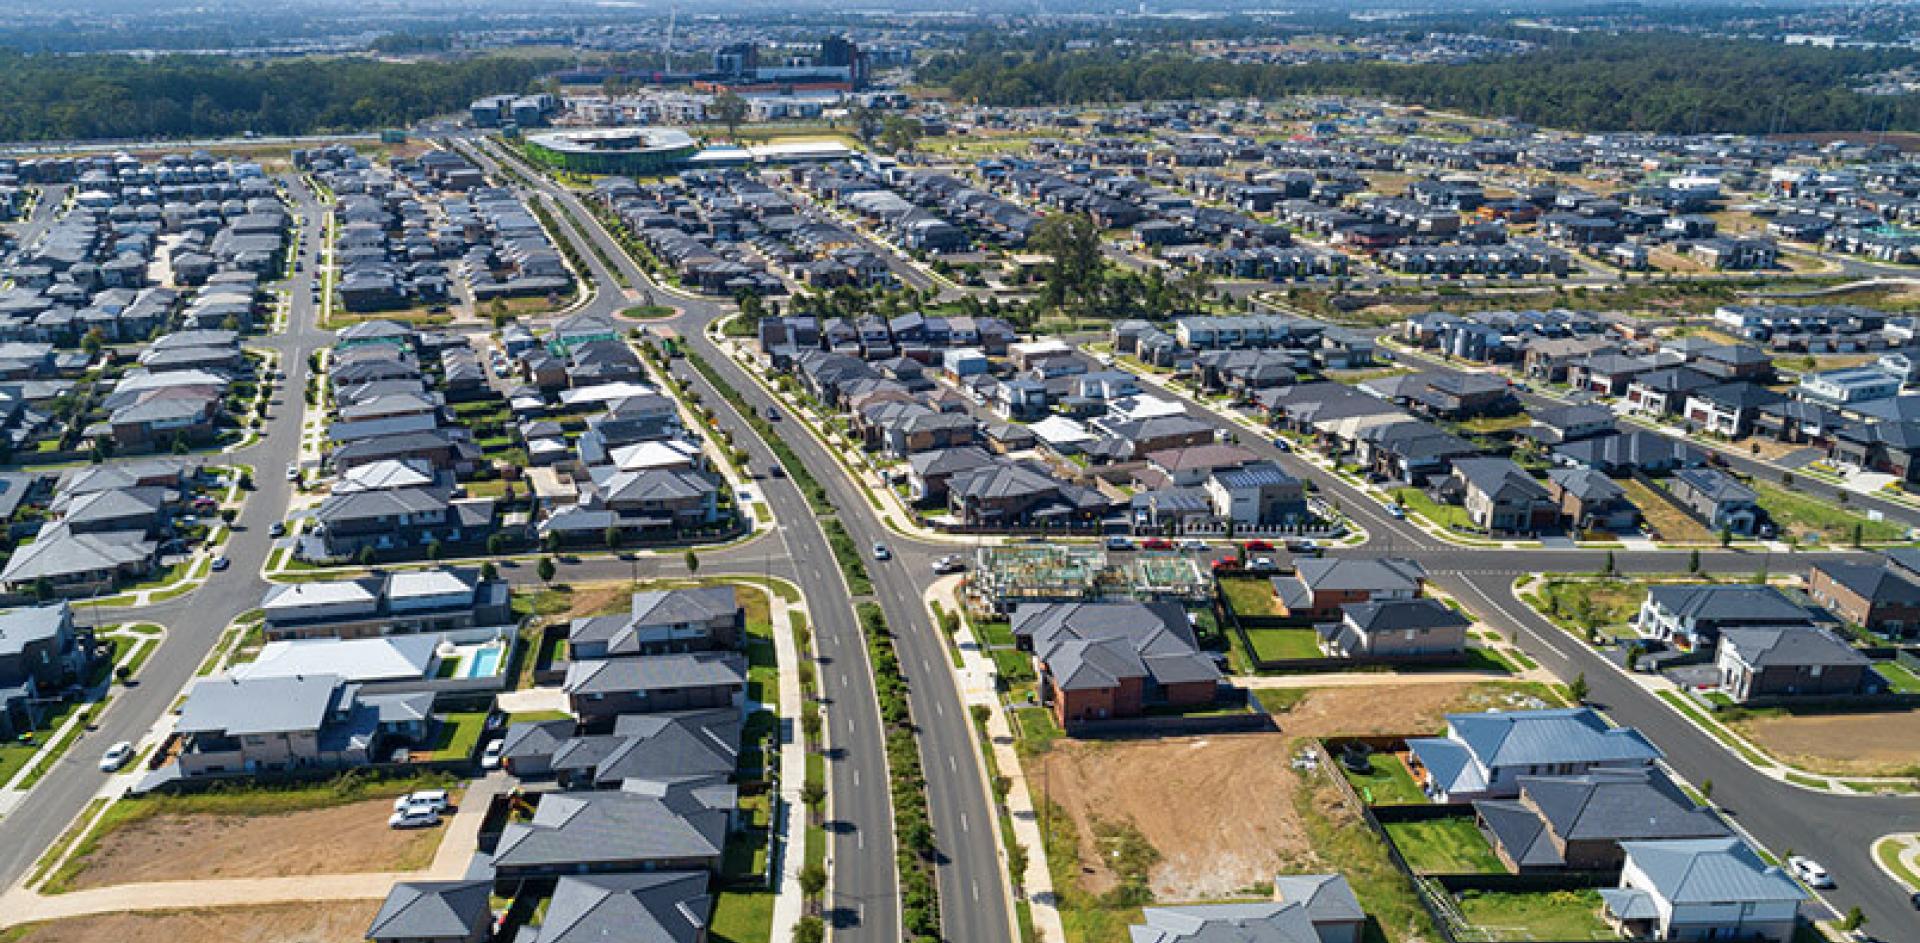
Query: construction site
x=1006, y=576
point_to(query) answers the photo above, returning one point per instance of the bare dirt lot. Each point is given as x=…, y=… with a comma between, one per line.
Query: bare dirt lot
x=343, y=839
x=1219, y=811
x=333, y=922
x=1873, y=744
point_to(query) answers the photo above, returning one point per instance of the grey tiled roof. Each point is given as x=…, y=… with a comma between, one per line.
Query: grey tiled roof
x=417, y=910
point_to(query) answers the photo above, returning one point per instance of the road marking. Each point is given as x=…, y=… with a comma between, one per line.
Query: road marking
x=976, y=892
x=963, y=821
x=856, y=777
x=951, y=765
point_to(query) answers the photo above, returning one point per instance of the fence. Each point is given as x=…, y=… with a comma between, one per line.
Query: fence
x=1233, y=621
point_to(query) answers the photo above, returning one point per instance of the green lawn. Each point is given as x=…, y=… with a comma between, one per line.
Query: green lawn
x=1797, y=513
x=536, y=716
x=1899, y=676
x=1251, y=597
x=1036, y=728
x=1389, y=783
x=1280, y=644
x=1445, y=846
x=456, y=734
x=1889, y=854
x=1014, y=666
x=994, y=633
x=1555, y=915
x=741, y=916
x=1446, y=515
x=1608, y=603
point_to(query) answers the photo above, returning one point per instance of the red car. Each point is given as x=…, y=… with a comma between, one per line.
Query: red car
x=1256, y=545
x=1156, y=543
x=1226, y=563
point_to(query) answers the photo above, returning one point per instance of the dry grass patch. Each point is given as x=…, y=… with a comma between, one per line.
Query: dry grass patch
x=331, y=922
x=1876, y=743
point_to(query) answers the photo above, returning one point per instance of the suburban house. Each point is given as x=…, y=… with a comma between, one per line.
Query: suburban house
x=1577, y=823
x=1102, y=661
x=42, y=653
x=1694, y=616
x=1319, y=587
x=1718, y=499
x=1702, y=889
x=1728, y=409
x=1306, y=908
x=399, y=603
x=1398, y=628
x=656, y=907
x=1589, y=500
x=398, y=520
x=661, y=622
x=1501, y=498
x=1877, y=597
x=1789, y=661
x=645, y=825
x=599, y=689
x=435, y=912
x=1484, y=756
x=1569, y=423
x=233, y=726
x=1260, y=494
x=1634, y=450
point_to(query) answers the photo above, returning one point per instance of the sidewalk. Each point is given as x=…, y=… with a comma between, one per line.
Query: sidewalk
x=789, y=903
x=975, y=678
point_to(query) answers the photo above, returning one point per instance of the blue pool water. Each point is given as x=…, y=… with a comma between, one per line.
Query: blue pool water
x=485, y=662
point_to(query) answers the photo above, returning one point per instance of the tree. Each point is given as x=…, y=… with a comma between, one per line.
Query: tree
x=731, y=110
x=813, y=880
x=496, y=544
x=122, y=672
x=94, y=340
x=1577, y=689
x=611, y=536
x=813, y=795
x=546, y=569
x=899, y=133
x=434, y=549
x=1072, y=243
x=1693, y=560
x=1854, y=920
x=1017, y=862
x=1726, y=536
x=810, y=929
x=1857, y=533
x=1607, y=567
x=365, y=556
x=488, y=572
x=693, y=562
x=1706, y=790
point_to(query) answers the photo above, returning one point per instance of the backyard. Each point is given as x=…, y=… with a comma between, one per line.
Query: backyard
x=1251, y=596
x=1549, y=915
x=1388, y=782
x=1284, y=644
x=1451, y=845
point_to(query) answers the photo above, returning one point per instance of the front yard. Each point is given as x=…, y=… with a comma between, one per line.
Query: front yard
x=1831, y=524
x=1284, y=644
x=1452, y=517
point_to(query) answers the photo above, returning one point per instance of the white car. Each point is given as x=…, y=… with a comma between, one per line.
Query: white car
x=117, y=756
x=436, y=800
x=1809, y=872
x=411, y=817
x=490, y=757
x=1198, y=546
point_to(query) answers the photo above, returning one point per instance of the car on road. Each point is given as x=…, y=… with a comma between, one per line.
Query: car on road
x=1303, y=545
x=1156, y=543
x=490, y=757
x=221, y=563
x=1117, y=542
x=435, y=799
x=117, y=756
x=778, y=471
x=413, y=818
x=293, y=472
x=773, y=415
x=1916, y=900
x=949, y=564
x=880, y=552
x=1396, y=512
x=1809, y=872
x=279, y=529
x=1283, y=445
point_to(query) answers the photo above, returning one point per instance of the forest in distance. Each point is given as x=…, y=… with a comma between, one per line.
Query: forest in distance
x=113, y=97
x=1653, y=82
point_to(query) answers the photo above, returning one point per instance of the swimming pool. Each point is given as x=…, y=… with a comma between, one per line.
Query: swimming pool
x=485, y=662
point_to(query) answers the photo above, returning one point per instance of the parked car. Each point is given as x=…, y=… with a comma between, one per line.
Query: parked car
x=1156, y=543
x=1227, y=565
x=949, y=564
x=1253, y=545
x=117, y=756
x=279, y=529
x=413, y=818
x=435, y=799
x=1118, y=542
x=1303, y=545
x=1263, y=565
x=490, y=757
x=1809, y=872
x=221, y=563
x=1198, y=546
x=293, y=472
x=880, y=552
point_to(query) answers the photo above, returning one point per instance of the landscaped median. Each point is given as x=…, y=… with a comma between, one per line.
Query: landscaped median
x=912, y=824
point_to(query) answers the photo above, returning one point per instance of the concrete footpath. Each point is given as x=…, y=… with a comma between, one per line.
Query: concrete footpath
x=788, y=902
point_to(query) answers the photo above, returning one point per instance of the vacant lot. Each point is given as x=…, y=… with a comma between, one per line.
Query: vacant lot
x=1881, y=743
x=187, y=845
x=1218, y=811
x=332, y=922
x=1251, y=597
x=1829, y=523
x=1663, y=516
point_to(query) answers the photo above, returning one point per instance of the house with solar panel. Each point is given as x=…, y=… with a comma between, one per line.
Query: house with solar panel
x=1484, y=756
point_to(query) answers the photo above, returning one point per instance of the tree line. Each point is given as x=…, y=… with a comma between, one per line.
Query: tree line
x=1650, y=82
x=108, y=97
